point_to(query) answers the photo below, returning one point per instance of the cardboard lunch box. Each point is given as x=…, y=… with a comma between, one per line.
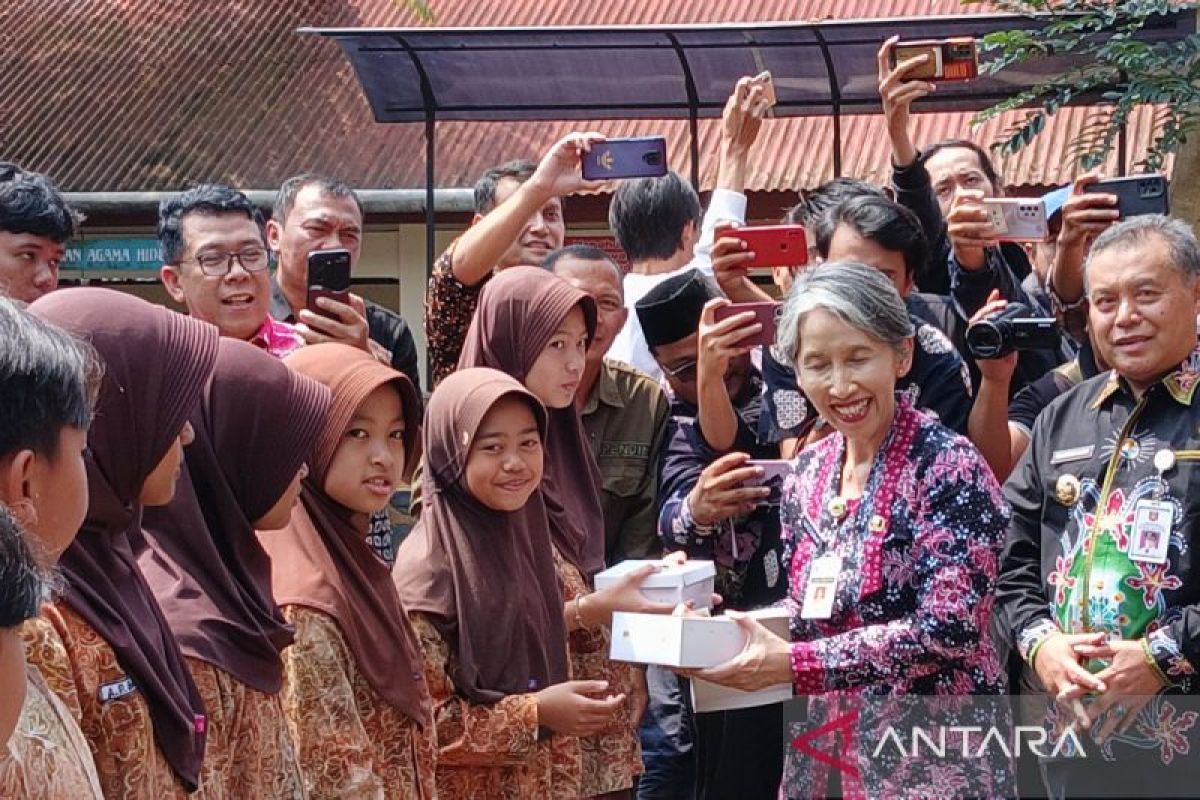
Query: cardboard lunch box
x=673, y=583
x=683, y=641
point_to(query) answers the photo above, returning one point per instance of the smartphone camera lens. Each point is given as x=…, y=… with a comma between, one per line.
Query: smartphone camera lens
x=653, y=159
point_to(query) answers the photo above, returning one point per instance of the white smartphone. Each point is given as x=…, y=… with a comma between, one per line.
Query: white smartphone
x=1018, y=219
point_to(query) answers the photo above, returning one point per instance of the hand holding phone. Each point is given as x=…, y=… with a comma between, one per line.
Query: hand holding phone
x=774, y=470
x=1017, y=219
x=774, y=245
x=640, y=157
x=955, y=59
x=1136, y=194
x=328, y=276
x=765, y=314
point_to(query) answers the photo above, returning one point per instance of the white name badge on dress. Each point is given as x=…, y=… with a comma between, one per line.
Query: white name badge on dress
x=1152, y=522
x=821, y=587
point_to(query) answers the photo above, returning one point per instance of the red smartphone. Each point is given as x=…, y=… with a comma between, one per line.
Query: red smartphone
x=328, y=276
x=774, y=245
x=766, y=314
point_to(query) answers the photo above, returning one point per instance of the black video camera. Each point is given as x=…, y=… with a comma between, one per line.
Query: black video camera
x=1009, y=330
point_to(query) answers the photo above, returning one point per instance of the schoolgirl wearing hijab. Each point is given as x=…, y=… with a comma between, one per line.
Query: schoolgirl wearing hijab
x=535, y=327
x=104, y=646
x=254, y=428
x=354, y=691
x=478, y=577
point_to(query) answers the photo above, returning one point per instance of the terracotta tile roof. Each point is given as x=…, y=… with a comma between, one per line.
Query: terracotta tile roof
x=122, y=95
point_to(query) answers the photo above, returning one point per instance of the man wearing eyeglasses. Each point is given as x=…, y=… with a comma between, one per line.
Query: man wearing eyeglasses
x=712, y=504
x=215, y=262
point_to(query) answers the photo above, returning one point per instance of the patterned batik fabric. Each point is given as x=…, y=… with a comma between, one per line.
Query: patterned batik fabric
x=919, y=558
x=495, y=751
x=611, y=760
x=349, y=741
x=82, y=669
x=449, y=309
x=248, y=750
x=1097, y=455
x=47, y=757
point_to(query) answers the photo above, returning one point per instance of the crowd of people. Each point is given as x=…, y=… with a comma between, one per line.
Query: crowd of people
x=200, y=593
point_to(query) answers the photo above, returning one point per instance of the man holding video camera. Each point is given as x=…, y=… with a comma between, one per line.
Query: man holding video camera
x=1001, y=419
x=1098, y=588
x=946, y=186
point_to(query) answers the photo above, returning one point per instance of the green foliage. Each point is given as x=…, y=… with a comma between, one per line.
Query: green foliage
x=1116, y=69
x=419, y=8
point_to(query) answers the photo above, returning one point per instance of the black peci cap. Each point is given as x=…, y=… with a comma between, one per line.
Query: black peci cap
x=671, y=311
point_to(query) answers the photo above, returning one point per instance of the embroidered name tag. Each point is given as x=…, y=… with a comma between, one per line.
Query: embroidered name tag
x=116, y=690
x=1072, y=454
x=638, y=450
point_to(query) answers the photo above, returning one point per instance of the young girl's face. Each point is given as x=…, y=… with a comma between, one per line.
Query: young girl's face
x=504, y=466
x=369, y=461
x=280, y=514
x=557, y=372
x=159, y=486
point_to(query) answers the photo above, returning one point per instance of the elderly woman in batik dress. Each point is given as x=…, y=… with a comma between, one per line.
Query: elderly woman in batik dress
x=893, y=526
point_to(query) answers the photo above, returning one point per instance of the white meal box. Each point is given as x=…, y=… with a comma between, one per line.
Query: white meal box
x=673, y=583
x=697, y=642
x=714, y=697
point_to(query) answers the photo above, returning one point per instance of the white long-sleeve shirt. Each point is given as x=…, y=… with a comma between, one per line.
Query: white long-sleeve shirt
x=630, y=344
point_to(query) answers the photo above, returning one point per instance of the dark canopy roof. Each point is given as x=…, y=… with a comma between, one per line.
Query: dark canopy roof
x=661, y=71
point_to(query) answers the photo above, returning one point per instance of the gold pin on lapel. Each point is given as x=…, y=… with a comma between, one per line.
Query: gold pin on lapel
x=1066, y=489
x=837, y=508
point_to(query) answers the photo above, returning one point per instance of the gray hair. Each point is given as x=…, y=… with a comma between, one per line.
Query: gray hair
x=1176, y=234
x=857, y=294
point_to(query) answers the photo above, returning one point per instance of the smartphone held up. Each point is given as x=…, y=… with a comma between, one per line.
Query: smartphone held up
x=955, y=59
x=638, y=157
x=328, y=276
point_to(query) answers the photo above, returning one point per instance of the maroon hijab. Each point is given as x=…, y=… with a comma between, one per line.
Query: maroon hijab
x=518, y=313
x=486, y=578
x=322, y=559
x=254, y=427
x=156, y=363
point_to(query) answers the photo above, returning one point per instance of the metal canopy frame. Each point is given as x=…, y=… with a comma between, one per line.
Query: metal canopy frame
x=824, y=68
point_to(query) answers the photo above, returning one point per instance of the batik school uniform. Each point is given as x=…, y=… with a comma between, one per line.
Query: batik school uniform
x=114, y=716
x=493, y=750
x=115, y=653
x=47, y=756
x=612, y=760
x=354, y=689
x=351, y=741
x=482, y=593
x=253, y=430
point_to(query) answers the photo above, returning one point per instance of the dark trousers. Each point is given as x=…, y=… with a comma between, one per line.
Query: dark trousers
x=666, y=735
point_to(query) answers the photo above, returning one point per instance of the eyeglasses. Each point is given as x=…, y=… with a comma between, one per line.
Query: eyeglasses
x=252, y=259
x=685, y=372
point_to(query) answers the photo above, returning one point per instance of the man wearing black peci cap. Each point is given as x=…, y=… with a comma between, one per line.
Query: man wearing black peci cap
x=708, y=511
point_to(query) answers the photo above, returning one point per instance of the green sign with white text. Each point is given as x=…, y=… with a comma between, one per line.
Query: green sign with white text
x=92, y=255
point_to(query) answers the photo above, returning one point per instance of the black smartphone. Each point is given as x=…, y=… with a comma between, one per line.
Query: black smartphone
x=1136, y=194
x=328, y=276
x=641, y=157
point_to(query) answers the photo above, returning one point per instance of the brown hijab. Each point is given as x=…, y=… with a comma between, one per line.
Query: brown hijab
x=322, y=559
x=254, y=427
x=156, y=363
x=485, y=577
x=519, y=311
